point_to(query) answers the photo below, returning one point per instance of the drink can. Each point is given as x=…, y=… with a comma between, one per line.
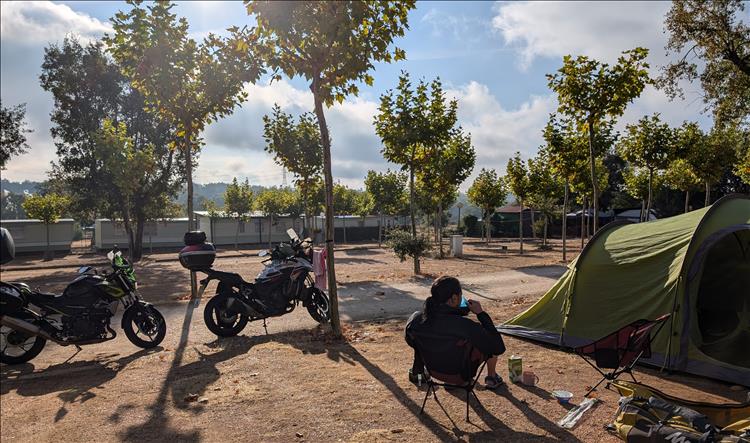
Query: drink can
x=515, y=368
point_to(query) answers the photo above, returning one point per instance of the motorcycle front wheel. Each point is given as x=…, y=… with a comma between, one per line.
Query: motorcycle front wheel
x=220, y=319
x=318, y=306
x=144, y=325
x=18, y=347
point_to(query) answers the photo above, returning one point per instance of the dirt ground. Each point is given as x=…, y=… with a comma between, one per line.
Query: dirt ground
x=296, y=383
x=300, y=385
x=162, y=278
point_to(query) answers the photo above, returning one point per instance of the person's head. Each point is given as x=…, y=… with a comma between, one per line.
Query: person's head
x=445, y=290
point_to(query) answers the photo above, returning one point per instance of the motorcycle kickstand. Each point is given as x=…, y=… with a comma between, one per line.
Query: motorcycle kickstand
x=264, y=326
x=78, y=349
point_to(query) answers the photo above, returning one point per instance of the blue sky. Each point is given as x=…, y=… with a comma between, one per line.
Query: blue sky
x=492, y=57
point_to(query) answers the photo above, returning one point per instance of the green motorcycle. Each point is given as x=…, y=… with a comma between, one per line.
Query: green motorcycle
x=80, y=316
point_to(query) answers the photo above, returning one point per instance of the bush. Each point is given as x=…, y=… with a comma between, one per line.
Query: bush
x=539, y=227
x=405, y=246
x=471, y=226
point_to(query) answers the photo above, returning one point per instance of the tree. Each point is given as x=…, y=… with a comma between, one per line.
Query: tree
x=99, y=124
x=638, y=183
x=713, y=44
x=544, y=187
x=648, y=144
x=185, y=83
x=333, y=45
x=709, y=155
x=591, y=92
x=565, y=153
x=487, y=192
x=297, y=148
x=215, y=212
x=47, y=208
x=680, y=176
x=446, y=166
x=271, y=203
x=517, y=179
x=411, y=126
x=581, y=186
x=13, y=132
x=742, y=167
x=238, y=202
x=388, y=193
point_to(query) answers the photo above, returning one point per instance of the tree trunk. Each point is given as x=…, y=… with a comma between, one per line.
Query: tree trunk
x=237, y=234
x=189, y=174
x=588, y=220
x=648, y=204
x=594, y=186
x=565, y=223
x=583, y=222
x=136, y=253
x=520, y=225
x=328, y=176
x=270, y=227
x=440, y=229
x=687, y=200
x=533, y=231
x=412, y=198
x=546, y=221
x=708, y=194
x=48, y=251
x=380, y=229
x=643, y=211
x=344, y=230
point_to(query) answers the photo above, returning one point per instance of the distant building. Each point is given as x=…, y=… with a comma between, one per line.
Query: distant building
x=31, y=235
x=634, y=215
x=252, y=230
x=156, y=234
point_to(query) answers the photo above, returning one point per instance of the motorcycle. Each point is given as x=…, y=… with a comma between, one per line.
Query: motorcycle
x=285, y=282
x=80, y=316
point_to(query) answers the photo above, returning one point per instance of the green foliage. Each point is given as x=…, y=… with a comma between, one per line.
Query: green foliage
x=680, y=176
x=487, y=192
x=47, y=208
x=742, y=167
x=344, y=200
x=637, y=182
x=445, y=168
x=333, y=45
x=215, y=212
x=238, y=199
x=297, y=148
x=364, y=204
x=185, y=83
x=648, y=144
x=273, y=202
x=13, y=132
x=711, y=158
x=405, y=245
x=387, y=190
x=517, y=177
x=580, y=183
x=712, y=42
x=564, y=148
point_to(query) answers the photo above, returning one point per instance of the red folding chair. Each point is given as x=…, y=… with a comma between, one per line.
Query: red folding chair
x=621, y=350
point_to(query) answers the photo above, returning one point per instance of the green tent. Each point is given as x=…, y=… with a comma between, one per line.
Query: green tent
x=695, y=266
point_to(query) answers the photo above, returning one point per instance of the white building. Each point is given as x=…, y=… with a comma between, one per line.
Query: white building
x=31, y=235
x=158, y=234
x=252, y=230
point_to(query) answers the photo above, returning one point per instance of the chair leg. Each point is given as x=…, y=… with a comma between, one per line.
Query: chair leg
x=594, y=388
x=632, y=376
x=467, y=404
x=427, y=394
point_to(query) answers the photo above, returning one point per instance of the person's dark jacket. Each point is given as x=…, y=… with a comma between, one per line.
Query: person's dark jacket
x=436, y=339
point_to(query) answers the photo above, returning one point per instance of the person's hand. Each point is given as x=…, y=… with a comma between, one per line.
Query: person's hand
x=475, y=306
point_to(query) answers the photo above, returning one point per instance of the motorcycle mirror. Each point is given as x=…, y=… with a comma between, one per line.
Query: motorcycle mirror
x=111, y=255
x=263, y=253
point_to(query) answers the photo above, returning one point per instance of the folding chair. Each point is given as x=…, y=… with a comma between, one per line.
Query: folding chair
x=463, y=350
x=621, y=350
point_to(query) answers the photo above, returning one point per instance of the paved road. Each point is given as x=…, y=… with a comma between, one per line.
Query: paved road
x=363, y=301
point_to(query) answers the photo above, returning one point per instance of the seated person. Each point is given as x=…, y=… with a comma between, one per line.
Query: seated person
x=442, y=326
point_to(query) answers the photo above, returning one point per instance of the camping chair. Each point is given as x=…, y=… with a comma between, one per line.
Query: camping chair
x=460, y=350
x=621, y=350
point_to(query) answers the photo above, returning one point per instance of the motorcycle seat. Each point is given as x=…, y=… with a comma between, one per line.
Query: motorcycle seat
x=47, y=295
x=230, y=277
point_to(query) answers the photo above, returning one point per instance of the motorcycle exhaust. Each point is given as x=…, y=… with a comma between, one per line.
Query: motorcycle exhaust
x=28, y=328
x=235, y=305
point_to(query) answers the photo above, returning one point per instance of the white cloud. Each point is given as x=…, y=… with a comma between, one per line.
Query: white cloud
x=597, y=29
x=497, y=133
x=42, y=22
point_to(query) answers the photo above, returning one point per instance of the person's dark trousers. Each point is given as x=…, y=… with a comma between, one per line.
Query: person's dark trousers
x=418, y=366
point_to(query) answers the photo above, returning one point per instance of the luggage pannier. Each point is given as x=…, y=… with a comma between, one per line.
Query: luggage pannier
x=194, y=238
x=7, y=247
x=197, y=257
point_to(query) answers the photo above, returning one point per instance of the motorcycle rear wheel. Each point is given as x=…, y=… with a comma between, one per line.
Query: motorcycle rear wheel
x=220, y=321
x=319, y=306
x=144, y=326
x=22, y=347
